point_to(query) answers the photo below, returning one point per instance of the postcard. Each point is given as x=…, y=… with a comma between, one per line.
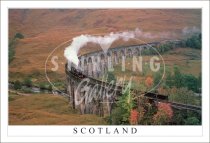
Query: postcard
x=135, y=71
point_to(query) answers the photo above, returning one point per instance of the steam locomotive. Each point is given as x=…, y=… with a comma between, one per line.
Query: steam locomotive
x=76, y=72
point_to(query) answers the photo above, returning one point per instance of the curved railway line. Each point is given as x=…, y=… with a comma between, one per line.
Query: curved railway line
x=75, y=76
x=152, y=96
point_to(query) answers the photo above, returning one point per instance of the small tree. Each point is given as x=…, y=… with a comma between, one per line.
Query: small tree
x=178, y=78
x=163, y=115
x=149, y=81
x=194, y=41
x=28, y=82
x=192, y=121
x=42, y=85
x=191, y=82
x=146, y=111
x=182, y=95
x=17, y=85
x=157, y=77
x=19, y=35
x=121, y=113
x=169, y=82
x=50, y=87
x=134, y=115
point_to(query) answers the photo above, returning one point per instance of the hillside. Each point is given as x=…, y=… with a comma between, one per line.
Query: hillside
x=44, y=29
x=46, y=109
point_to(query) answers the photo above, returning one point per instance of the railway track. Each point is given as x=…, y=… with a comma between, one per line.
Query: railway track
x=185, y=106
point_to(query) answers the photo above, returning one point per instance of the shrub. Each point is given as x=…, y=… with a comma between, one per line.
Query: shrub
x=163, y=115
x=194, y=41
x=178, y=117
x=186, y=117
x=183, y=80
x=192, y=121
x=166, y=107
x=134, y=115
x=28, y=81
x=27, y=90
x=160, y=118
x=50, y=87
x=178, y=78
x=121, y=113
x=182, y=95
x=169, y=82
x=19, y=35
x=11, y=54
x=12, y=46
x=157, y=77
x=149, y=81
x=11, y=50
x=42, y=85
x=191, y=82
x=165, y=47
x=116, y=116
x=146, y=111
x=17, y=85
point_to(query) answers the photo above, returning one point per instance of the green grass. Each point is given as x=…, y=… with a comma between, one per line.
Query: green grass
x=46, y=109
x=190, y=65
x=38, y=78
x=11, y=50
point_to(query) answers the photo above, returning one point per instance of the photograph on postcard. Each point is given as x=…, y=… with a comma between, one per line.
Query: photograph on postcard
x=105, y=67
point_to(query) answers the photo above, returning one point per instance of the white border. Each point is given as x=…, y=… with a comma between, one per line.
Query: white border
x=62, y=133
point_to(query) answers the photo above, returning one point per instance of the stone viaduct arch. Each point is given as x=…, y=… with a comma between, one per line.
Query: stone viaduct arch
x=94, y=65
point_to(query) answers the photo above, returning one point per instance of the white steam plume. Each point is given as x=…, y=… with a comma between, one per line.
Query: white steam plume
x=190, y=30
x=104, y=41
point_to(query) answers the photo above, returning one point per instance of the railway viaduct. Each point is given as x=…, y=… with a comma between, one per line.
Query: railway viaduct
x=93, y=96
x=95, y=64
